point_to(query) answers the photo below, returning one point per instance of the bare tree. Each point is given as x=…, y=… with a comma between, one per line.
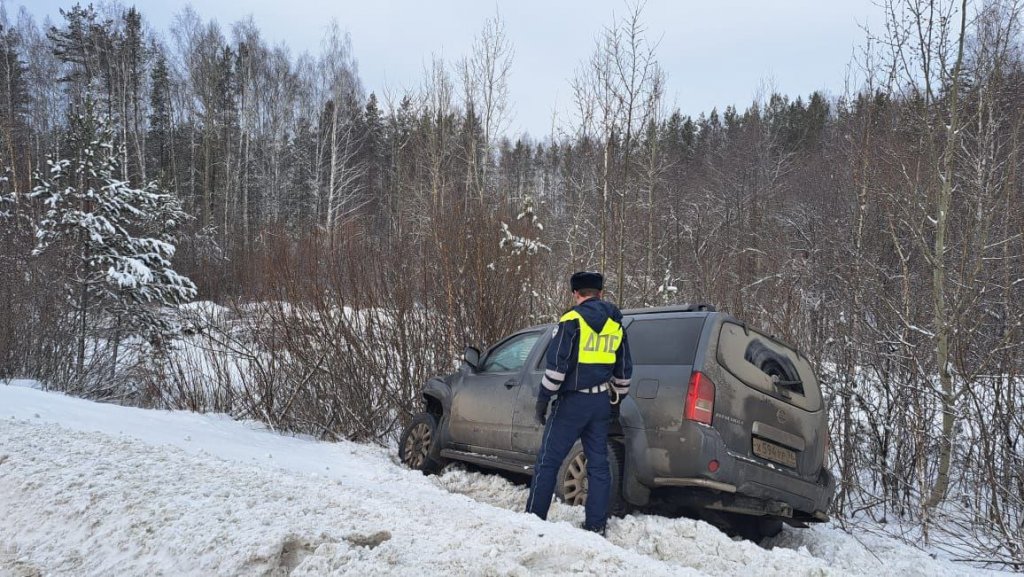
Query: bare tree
x=485, y=81
x=343, y=92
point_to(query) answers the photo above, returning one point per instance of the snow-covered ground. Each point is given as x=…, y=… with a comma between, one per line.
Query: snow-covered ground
x=93, y=489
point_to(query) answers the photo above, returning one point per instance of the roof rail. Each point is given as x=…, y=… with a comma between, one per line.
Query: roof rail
x=683, y=308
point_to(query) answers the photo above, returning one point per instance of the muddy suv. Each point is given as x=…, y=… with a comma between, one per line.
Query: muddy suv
x=723, y=422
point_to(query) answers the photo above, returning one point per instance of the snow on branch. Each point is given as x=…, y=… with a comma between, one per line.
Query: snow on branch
x=117, y=240
x=518, y=245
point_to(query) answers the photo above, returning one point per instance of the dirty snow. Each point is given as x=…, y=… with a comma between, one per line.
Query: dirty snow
x=93, y=489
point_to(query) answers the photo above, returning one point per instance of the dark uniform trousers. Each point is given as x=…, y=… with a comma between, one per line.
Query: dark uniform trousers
x=583, y=416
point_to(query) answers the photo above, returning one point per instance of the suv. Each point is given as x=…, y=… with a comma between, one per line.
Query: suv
x=723, y=422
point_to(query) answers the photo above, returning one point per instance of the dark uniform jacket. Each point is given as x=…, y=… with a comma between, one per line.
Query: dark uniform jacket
x=565, y=373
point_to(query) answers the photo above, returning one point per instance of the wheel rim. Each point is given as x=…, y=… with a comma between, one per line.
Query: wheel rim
x=417, y=445
x=574, y=484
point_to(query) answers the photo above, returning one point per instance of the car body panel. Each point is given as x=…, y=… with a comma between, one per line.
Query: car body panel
x=484, y=401
x=740, y=409
x=526, y=431
x=487, y=420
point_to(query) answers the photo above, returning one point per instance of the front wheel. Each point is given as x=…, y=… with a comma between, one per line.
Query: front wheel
x=572, y=485
x=419, y=448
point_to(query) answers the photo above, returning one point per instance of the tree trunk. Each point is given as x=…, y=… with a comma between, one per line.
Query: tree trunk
x=207, y=180
x=943, y=328
x=605, y=175
x=333, y=177
x=83, y=302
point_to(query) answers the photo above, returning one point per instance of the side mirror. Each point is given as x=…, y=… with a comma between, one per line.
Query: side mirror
x=471, y=356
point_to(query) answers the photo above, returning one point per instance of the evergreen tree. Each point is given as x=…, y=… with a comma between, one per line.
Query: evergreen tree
x=132, y=58
x=300, y=201
x=14, y=103
x=160, y=128
x=816, y=118
x=83, y=45
x=522, y=248
x=371, y=126
x=116, y=241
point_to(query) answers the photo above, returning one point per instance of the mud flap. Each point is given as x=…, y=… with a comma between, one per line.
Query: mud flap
x=633, y=491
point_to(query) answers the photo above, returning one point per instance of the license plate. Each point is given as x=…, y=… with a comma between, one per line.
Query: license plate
x=775, y=453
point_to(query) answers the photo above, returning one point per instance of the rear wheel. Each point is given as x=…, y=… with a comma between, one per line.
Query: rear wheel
x=419, y=448
x=758, y=529
x=573, y=485
x=749, y=527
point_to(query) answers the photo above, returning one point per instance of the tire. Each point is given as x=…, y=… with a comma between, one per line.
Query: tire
x=770, y=362
x=749, y=527
x=768, y=527
x=419, y=448
x=758, y=529
x=571, y=485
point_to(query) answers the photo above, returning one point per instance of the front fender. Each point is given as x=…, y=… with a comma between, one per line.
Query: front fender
x=437, y=400
x=437, y=396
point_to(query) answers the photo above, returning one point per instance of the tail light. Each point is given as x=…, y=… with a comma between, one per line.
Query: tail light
x=700, y=399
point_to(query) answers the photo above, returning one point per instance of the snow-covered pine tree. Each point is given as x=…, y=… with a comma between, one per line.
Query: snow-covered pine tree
x=668, y=292
x=523, y=245
x=115, y=241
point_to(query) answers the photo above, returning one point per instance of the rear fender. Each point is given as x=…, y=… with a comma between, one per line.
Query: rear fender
x=635, y=441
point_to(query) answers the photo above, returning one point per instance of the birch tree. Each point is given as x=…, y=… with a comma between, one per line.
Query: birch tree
x=485, y=80
x=341, y=90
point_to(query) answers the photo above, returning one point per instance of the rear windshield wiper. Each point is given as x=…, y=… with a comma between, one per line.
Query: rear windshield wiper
x=795, y=386
x=787, y=384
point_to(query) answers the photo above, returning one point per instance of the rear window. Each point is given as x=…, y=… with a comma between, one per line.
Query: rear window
x=664, y=341
x=765, y=364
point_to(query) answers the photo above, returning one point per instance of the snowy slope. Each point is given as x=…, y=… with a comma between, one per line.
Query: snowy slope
x=92, y=489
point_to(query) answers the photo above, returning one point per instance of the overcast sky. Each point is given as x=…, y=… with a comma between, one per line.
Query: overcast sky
x=714, y=52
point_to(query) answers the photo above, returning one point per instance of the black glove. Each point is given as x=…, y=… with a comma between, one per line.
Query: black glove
x=541, y=410
x=616, y=410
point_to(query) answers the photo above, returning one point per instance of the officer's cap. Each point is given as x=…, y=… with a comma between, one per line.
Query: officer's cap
x=586, y=279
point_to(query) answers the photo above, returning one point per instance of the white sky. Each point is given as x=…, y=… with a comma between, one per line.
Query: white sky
x=714, y=53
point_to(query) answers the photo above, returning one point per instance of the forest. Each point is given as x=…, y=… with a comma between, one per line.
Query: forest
x=196, y=219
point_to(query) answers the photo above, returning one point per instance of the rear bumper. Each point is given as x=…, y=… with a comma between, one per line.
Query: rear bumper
x=660, y=459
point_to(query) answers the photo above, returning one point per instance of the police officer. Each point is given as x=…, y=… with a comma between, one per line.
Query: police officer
x=587, y=355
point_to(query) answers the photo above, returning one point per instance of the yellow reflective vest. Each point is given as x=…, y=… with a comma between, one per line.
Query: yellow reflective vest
x=596, y=348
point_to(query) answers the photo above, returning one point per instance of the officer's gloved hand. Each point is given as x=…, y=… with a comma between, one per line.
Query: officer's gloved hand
x=541, y=410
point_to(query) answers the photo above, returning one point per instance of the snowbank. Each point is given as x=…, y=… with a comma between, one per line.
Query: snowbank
x=92, y=489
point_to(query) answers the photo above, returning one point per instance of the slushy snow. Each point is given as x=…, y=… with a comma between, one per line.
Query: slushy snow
x=95, y=489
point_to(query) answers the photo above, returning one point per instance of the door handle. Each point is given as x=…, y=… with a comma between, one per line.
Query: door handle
x=511, y=383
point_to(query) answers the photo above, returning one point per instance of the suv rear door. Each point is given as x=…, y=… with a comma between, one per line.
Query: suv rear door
x=768, y=405
x=663, y=347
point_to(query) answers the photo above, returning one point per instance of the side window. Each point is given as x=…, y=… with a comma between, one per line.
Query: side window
x=664, y=341
x=542, y=359
x=510, y=355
